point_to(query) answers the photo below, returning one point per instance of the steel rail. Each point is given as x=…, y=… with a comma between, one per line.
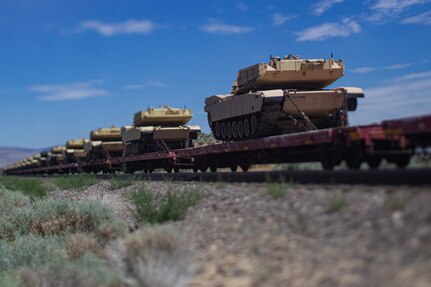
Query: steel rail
x=362, y=177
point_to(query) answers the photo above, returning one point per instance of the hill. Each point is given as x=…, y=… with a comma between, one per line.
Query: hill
x=12, y=154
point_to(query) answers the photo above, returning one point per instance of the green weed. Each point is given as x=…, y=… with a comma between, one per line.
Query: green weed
x=396, y=202
x=119, y=183
x=170, y=206
x=79, y=182
x=337, y=203
x=30, y=186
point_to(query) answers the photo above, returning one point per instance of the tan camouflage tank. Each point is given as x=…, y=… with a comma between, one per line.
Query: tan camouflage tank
x=105, y=143
x=56, y=156
x=284, y=96
x=158, y=129
x=74, y=151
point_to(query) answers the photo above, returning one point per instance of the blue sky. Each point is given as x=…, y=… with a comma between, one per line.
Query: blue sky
x=67, y=67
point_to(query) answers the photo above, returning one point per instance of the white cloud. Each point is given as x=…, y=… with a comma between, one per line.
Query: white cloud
x=424, y=18
x=242, y=7
x=279, y=19
x=324, y=5
x=329, y=30
x=112, y=29
x=364, y=70
x=71, y=91
x=402, y=96
x=395, y=5
x=146, y=84
x=413, y=76
x=224, y=29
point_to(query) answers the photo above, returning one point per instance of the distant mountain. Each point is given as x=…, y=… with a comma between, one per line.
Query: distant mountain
x=12, y=154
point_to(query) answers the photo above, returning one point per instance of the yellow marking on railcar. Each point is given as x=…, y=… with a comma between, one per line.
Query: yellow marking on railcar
x=354, y=135
x=393, y=131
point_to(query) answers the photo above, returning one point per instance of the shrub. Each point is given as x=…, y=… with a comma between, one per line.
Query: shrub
x=10, y=200
x=169, y=206
x=80, y=181
x=29, y=186
x=50, y=217
x=31, y=251
x=79, y=244
x=10, y=279
x=88, y=270
x=154, y=256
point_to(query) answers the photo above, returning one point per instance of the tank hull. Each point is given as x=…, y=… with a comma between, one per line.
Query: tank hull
x=155, y=138
x=96, y=150
x=264, y=113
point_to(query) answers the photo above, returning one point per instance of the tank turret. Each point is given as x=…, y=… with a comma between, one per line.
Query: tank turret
x=288, y=73
x=163, y=116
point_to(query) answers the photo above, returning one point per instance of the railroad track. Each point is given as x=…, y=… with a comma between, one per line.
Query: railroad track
x=366, y=177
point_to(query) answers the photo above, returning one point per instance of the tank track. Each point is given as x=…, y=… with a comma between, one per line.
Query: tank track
x=267, y=119
x=266, y=122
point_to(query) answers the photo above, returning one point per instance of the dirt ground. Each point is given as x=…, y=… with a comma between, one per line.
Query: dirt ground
x=296, y=235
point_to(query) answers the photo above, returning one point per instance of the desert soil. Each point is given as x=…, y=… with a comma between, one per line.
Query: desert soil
x=311, y=235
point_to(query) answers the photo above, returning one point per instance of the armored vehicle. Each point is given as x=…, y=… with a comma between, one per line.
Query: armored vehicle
x=43, y=158
x=105, y=143
x=56, y=156
x=158, y=129
x=284, y=96
x=74, y=151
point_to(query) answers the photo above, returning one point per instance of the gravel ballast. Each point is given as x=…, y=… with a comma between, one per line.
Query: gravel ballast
x=296, y=235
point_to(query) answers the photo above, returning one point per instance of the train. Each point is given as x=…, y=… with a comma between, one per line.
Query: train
x=276, y=112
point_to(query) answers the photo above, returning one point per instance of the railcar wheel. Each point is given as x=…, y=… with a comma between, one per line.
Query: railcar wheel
x=229, y=130
x=213, y=167
x=223, y=130
x=234, y=168
x=253, y=124
x=246, y=128
x=245, y=167
x=240, y=129
x=353, y=162
x=234, y=130
x=327, y=164
x=176, y=169
x=168, y=169
x=195, y=169
x=374, y=163
x=402, y=161
x=217, y=129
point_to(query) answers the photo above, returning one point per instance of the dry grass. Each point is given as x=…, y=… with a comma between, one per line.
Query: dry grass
x=154, y=256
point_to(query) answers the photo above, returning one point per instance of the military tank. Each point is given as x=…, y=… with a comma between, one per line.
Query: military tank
x=43, y=158
x=55, y=156
x=74, y=151
x=104, y=143
x=284, y=96
x=157, y=129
